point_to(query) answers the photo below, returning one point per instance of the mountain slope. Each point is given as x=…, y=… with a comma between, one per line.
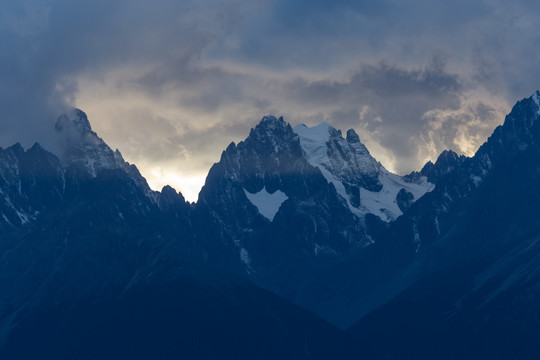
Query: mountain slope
x=302, y=212
x=480, y=283
x=200, y=315
x=80, y=225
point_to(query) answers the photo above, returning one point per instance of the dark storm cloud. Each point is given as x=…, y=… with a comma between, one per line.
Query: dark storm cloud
x=385, y=100
x=327, y=35
x=384, y=82
x=46, y=45
x=323, y=34
x=25, y=91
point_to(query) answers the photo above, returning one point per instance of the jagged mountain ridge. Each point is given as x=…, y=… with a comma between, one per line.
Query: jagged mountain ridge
x=346, y=163
x=105, y=236
x=30, y=182
x=289, y=198
x=312, y=248
x=248, y=244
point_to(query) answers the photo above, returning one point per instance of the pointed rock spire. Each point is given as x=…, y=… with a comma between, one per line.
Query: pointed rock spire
x=352, y=136
x=74, y=120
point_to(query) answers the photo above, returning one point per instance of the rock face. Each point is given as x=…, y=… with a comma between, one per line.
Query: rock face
x=447, y=162
x=303, y=215
x=31, y=182
x=82, y=148
x=287, y=199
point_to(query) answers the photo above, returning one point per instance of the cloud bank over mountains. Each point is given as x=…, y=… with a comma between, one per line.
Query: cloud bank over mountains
x=171, y=83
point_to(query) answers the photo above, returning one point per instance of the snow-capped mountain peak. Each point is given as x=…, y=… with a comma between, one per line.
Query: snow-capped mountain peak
x=361, y=181
x=82, y=148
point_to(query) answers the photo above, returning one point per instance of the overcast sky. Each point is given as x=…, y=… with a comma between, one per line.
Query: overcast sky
x=171, y=83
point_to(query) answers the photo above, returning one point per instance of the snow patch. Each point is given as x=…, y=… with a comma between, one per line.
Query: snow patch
x=244, y=257
x=22, y=217
x=6, y=219
x=313, y=140
x=318, y=249
x=268, y=204
x=477, y=180
x=383, y=203
x=416, y=238
x=536, y=99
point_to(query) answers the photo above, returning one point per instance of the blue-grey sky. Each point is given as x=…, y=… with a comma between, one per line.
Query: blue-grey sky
x=170, y=83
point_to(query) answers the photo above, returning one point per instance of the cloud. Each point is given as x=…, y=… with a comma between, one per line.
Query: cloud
x=173, y=83
x=462, y=129
x=47, y=46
